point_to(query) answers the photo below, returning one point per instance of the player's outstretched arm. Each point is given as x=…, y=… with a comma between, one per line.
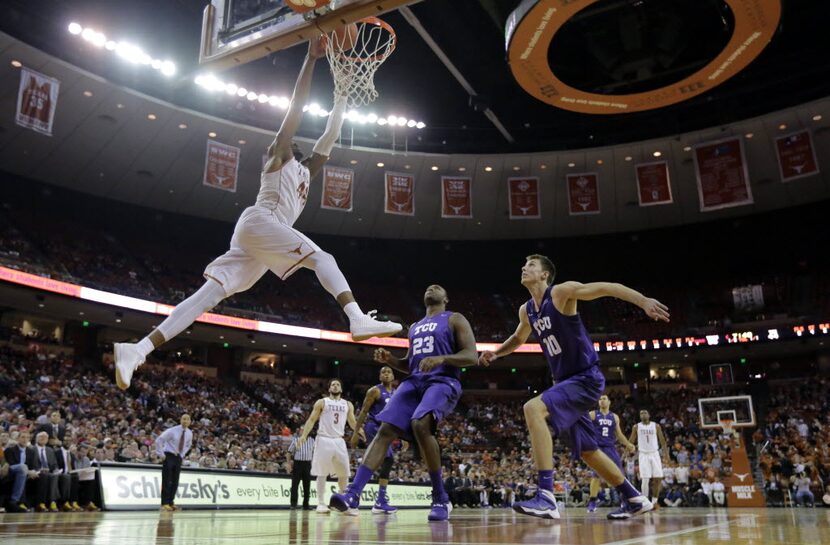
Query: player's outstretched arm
x=371, y=396
x=312, y=419
x=570, y=292
x=633, y=438
x=514, y=341
x=280, y=152
x=621, y=436
x=323, y=147
x=465, y=340
x=385, y=357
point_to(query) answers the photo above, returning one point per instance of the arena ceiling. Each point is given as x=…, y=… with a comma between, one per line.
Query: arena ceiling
x=616, y=46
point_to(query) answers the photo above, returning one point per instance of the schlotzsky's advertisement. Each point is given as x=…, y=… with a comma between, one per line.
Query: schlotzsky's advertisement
x=129, y=487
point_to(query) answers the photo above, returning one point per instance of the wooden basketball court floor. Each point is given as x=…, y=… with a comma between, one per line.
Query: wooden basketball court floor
x=410, y=527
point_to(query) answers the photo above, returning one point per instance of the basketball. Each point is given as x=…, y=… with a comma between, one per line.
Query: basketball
x=345, y=37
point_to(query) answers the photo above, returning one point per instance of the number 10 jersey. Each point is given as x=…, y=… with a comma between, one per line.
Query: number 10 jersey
x=564, y=339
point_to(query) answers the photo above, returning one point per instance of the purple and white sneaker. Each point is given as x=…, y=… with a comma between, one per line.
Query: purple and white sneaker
x=592, y=505
x=440, y=511
x=542, y=506
x=631, y=508
x=346, y=502
x=382, y=506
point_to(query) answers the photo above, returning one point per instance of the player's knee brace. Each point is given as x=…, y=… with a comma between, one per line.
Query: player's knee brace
x=386, y=468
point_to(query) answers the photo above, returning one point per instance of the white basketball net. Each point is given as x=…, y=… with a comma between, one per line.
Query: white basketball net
x=353, y=66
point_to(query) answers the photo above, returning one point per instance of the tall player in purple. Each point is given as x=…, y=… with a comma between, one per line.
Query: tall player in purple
x=439, y=346
x=608, y=430
x=375, y=401
x=578, y=383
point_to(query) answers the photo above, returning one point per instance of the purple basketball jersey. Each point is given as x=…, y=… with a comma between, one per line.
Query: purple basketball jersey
x=380, y=403
x=432, y=336
x=606, y=426
x=564, y=340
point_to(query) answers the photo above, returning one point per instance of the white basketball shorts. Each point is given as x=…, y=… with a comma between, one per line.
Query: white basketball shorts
x=330, y=457
x=651, y=465
x=260, y=242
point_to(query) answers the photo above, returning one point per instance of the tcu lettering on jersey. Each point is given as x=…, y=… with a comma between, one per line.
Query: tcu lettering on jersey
x=542, y=327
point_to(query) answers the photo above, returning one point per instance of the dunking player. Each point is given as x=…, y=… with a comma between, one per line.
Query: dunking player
x=439, y=345
x=649, y=438
x=551, y=314
x=330, y=456
x=608, y=430
x=375, y=401
x=264, y=238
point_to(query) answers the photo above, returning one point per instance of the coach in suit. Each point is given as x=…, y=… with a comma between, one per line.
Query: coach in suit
x=55, y=429
x=173, y=444
x=41, y=458
x=67, y=481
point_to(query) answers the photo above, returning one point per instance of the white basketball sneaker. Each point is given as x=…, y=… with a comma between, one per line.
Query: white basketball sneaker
x=367, y=326
x=127, y=360
x=322, y=509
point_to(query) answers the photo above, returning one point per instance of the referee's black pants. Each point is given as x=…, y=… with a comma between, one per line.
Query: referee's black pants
x=300, y=471
x=170, y=470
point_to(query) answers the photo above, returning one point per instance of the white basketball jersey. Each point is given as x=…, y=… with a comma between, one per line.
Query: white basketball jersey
x=647, y=437
x=285, y=191
x=333, y=418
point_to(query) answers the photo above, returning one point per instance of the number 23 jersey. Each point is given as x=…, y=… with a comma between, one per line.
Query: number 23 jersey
x=564, y=339
x=432, y=336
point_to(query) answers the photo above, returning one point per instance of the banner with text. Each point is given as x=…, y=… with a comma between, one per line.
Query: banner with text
x=722, y=175
x=338, y=188
x=653, y=184
x=400, y=194
x=456, y=197
x=523, y=195
x=37, y=99
x=796, y=156
x=221, y=166
x=127, y=487
x=583, y=193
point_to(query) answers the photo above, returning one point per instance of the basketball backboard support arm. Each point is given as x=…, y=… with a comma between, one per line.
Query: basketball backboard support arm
x=289, y=30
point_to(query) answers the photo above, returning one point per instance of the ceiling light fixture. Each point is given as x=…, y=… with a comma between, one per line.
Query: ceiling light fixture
x=816, y=117
x=434, y=167
x=380, y=165
x=16, y=63
x=151, y=117
x=129, y=52
x=212, y=134
x=658, y=153
x=488, y=169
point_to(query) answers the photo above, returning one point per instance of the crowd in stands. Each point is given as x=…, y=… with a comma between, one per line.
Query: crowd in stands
x=94, y=242
x=485, y=448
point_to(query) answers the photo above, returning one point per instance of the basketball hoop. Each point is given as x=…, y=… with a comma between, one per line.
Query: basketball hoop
x=355, y=59
x=728, y=426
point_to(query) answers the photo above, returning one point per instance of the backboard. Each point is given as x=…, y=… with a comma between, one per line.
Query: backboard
x=737, y=409
x=236, y=32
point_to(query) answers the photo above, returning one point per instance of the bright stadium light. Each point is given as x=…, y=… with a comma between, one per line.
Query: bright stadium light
x=263, y=98
x=392, y=120
x=251, y=96
x=231, y=88
x=382, y=121
x=402, y=121
x=110, y=45
x=372, y=118
x=421, y=124
x=313, y=108
x=411, y=123
x=75, y=28
x=241, y=92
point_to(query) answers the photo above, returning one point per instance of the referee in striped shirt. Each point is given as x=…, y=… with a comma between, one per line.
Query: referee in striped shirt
x=301, y=468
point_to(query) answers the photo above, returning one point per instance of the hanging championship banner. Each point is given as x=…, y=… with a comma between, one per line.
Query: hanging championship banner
x=456, y=197
x=400, y=194
x=221, y=166
x=338, y=186
x=37, y=98
x=653, y=184
x=722, y=175
x=796, y=156
x=583, y=193
x=523, y=194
